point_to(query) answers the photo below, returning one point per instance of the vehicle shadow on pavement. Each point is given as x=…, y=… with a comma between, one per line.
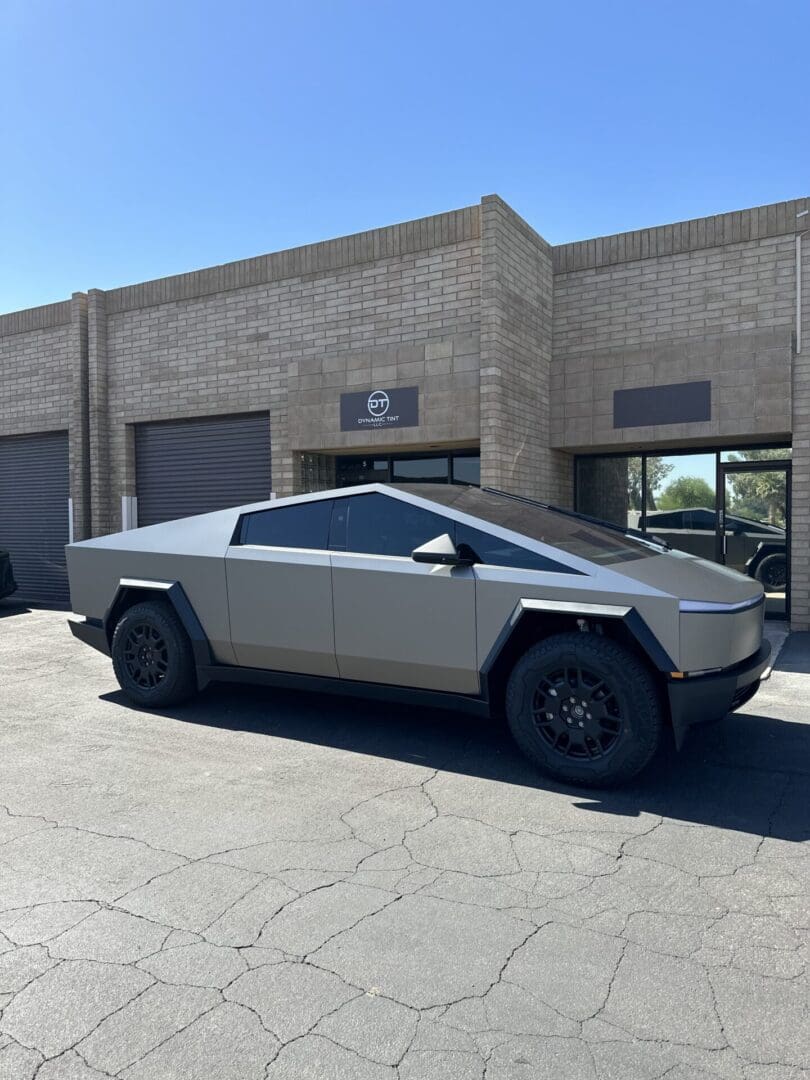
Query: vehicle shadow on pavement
x=736, y=774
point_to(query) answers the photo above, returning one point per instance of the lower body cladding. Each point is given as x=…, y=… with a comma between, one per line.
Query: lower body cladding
x=692, y=700
x=695, y=699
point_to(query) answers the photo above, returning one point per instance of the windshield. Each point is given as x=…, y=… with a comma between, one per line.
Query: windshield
x=569, y=533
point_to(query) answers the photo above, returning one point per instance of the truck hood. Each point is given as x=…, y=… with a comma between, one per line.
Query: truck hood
x=691, y=578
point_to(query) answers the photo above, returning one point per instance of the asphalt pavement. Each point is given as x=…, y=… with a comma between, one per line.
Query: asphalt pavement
x=273, y=885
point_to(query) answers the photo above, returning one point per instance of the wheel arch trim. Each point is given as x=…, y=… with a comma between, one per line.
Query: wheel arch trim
x=174, y=592
x=627, y=614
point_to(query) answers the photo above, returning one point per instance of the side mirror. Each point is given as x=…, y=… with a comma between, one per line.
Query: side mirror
x=443, y=552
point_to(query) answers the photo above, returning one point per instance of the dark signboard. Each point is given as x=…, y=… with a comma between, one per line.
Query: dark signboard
x=377, y=409
x=680, y=403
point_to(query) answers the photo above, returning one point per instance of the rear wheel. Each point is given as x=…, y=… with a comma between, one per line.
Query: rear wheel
x=584, y=709
x=152, y=655
x=772, y=572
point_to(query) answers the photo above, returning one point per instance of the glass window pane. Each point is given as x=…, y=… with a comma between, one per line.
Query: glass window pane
x=609, y=488
x=755, y=540
x=467, y=469
x=381, y=525
x=430, y=470
x=569, y=533
x=302, y=526
x=493, y=551
x=350, y=471
x=681, y=502
x=778, y=453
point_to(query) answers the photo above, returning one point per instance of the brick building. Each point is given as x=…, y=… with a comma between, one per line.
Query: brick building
x=610, y=374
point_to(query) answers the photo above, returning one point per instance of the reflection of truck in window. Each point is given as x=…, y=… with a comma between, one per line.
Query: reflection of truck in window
x=752, y=547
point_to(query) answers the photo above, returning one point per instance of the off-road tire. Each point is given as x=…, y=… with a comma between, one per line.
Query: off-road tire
x=152, y=656
x=765, y=569
x=629, y=690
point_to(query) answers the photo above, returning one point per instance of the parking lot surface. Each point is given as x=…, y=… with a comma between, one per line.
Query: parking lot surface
x=264, y=884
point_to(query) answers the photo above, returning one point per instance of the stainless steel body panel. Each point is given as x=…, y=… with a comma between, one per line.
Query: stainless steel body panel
x=407, y=623
x=691, y=578
x=95, y=574
x=280, y=603
x=190, y=551
x=719, y=639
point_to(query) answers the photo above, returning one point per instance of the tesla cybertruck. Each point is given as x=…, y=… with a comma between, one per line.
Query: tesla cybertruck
x=593, y=642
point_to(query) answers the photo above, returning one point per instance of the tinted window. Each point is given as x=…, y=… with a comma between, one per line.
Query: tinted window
x=303, y=526
x=467, y=470
x=569, y=533
x=381, y=525
x=426, y=470
x=494, y=551
x=702, y=519
x=675, y=520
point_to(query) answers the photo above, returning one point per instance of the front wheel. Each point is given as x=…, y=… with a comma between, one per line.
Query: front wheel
x=584, y=709
x=152, y=655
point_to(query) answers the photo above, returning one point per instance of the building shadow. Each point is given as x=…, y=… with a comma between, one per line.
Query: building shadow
x=749, y=772
x=9, y=607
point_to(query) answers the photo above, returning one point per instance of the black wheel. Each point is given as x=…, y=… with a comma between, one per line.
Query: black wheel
x=152, y=655
x=772, y=572
x=584, y=709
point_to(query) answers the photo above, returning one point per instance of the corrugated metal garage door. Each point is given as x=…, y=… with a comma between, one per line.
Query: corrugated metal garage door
x=34, y=490
x=194, y=466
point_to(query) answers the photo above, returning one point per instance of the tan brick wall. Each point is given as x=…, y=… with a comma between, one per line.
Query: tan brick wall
x=723, y=314
x=516, y=325
x=378, y=309
x=36, y=388
x=43, y=380
x=505, y=337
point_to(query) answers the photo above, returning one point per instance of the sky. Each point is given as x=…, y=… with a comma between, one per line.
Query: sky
x=144, y=139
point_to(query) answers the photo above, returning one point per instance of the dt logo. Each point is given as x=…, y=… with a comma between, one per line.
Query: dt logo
x=378, y=403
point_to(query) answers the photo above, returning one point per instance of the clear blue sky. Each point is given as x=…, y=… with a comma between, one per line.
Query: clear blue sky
x=149, y=138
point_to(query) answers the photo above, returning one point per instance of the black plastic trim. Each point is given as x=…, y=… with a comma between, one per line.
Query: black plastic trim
x=92, y=633
x=435, y=699
x=175, y=594
x=632, y=620
x=648, y=641
x=703, y=698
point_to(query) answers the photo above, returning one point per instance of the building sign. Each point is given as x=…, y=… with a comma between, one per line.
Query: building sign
x=378, y=409
x=679, y=403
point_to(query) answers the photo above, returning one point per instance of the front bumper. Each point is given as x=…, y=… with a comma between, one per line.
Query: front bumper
x=92, y=633
x=709, y=697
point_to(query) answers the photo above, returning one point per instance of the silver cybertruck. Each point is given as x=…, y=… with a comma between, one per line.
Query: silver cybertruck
x=593, y=642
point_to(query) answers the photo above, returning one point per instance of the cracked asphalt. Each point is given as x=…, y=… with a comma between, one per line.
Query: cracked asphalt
x=278, y=886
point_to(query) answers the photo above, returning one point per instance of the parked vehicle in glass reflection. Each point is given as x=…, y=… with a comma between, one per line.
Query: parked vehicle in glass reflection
x=753, y=547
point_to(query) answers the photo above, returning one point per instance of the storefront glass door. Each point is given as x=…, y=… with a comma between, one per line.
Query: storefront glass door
x=728, y=505
x=754, y=527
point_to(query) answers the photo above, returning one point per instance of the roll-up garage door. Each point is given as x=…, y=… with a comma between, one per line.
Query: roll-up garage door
x=34, y=490
x=194, y=466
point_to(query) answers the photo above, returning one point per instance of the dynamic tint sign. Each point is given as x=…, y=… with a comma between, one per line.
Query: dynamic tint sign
x=380, y=409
